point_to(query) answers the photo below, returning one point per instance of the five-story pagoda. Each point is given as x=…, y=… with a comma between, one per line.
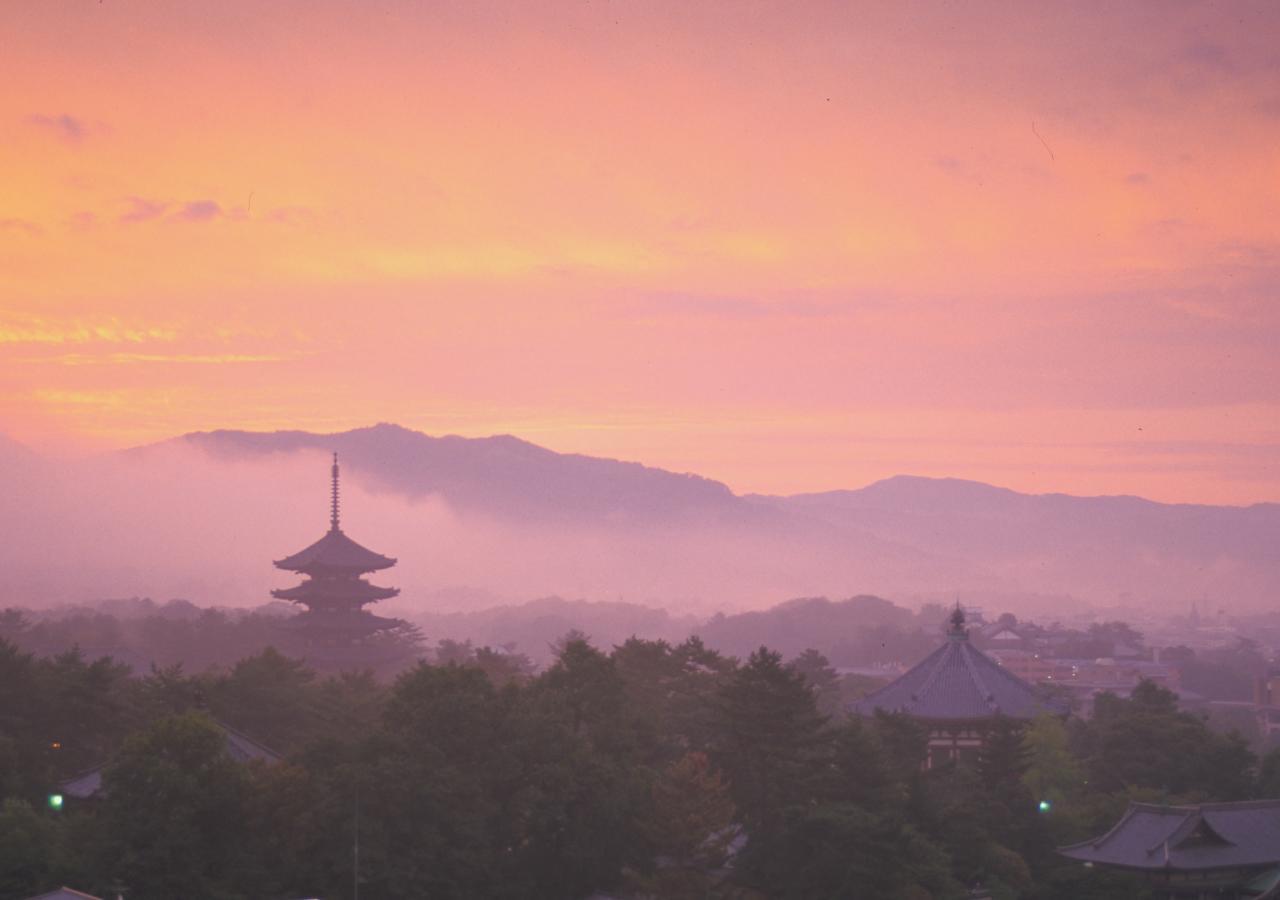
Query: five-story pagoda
x=334, y=593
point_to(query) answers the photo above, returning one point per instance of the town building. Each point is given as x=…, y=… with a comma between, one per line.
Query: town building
x=240, y=747
x=960, y=693
x=1224, y=851
x=64, y=893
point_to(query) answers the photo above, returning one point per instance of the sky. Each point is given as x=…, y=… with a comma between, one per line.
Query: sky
x=793, y=246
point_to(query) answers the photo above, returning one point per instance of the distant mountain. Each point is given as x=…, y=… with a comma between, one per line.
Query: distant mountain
x=1103, y=547
x=587, y=526
x=500, y=474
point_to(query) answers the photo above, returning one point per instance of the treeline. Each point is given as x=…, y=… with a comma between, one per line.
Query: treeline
x=858, y=631
x=651, y=770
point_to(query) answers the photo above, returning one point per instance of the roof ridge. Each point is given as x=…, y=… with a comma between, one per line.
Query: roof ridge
x=1166, y=808
x=936, y=671
x=1097, y=842
x=252, y=740
x=972, y=668
x=1240, y=804
x=1180, y=833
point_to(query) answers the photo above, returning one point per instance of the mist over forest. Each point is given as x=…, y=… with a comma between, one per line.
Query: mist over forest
x=476, y=523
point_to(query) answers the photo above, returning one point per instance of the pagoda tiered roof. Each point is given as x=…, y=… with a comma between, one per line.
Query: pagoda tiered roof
x=322, y=591
x=335, y=553
x=349, y=623
x=957, y=682
x=1188, y=838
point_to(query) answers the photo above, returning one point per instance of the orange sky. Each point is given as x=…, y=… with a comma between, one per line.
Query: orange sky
x=793, y=246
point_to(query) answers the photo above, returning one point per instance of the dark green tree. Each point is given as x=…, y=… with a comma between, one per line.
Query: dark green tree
x=770, y=740
x=172, y=813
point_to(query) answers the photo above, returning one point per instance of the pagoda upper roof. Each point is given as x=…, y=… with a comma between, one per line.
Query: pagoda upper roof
x=335, y=552
x=335, y=590
x=1209, y=836
x=957, y=682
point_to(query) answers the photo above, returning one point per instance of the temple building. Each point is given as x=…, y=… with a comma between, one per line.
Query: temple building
x=240, y=747
x=1225, y=851
x=960, y=694
x=335, y=628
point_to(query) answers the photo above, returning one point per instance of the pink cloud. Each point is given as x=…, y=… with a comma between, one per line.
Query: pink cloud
x=198, y=211
x=143, y=210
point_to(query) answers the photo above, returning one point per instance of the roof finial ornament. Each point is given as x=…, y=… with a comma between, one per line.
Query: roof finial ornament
x=333, y=510
x=957, y=629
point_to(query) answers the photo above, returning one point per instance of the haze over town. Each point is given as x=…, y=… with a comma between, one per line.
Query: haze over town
x=639, y=450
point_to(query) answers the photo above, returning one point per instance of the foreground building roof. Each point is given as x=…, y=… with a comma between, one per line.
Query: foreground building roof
x=957, y=682
x=1188, y=838
x=240, y=747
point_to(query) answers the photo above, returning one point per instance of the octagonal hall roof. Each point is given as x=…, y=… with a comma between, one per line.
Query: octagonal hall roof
x=335, y=552
x=957, y=682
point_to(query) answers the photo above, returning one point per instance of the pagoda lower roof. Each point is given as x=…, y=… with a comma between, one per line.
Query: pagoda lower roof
x=335, y=590
x=1188, y=838
x=335, y=552
x=347, y=622
x=957, y=683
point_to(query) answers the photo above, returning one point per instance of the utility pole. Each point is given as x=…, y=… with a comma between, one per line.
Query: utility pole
x=355, y=852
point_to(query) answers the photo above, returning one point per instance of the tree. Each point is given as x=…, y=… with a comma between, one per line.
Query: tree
x=269, y=696
x=821, y=678
x=173, y=811
x=28, y=850
x=690, y=826
x=769, y=739
x=1269, y=776
x=1146, y=742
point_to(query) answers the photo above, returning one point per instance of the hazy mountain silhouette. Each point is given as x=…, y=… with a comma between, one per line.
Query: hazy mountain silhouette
x=942, y=531
x=500, y=474
x=479, y=521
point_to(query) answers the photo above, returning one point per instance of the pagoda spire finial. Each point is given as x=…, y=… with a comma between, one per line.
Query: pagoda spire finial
x=957, y=630
x=333, y=509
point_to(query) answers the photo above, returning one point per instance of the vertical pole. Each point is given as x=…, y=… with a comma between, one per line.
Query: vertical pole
x=355, y=852
x=333, y=510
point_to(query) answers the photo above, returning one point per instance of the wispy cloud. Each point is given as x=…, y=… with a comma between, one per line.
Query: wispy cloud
x=143, y=210
x=39, y=330
x=65, y=127
x=88, y=359
x=23, y=226
x=198, y=211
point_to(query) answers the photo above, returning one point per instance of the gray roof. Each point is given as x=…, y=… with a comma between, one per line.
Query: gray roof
x=957, y=682
x=64, y=893
x=1209, y=836
x=240, y=747
x=335, y=552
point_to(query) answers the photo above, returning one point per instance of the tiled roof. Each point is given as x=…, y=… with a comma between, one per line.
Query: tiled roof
x=240, y=747
x=64, y=893
x=335, y=552
x=1209, y=836
x=956, y=682
x=326, y=590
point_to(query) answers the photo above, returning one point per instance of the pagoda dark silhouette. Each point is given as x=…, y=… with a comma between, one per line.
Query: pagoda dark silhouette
x=335, y=628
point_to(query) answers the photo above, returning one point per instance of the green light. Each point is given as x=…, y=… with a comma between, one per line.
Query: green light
x=1045, y=805
x=55, y=801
